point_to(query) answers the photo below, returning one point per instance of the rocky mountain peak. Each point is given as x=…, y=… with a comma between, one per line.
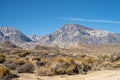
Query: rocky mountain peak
x=74, y=27
x=8, y=31
x=67, y=35
x=13, y=35
x=71, y=34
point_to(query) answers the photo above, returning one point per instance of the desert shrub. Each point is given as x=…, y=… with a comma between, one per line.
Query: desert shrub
x=105, y=56
x=61, y=66
x=40, y=63
x=36, y=59
x=2, y=58
x=43, y=71
x=107, y=65
x=38, y=47
x=86, y=67
x=16, y=51
x=82, y=55
x=15, y=59
x=90, y=63
x=26, y=68
x=24, y=54
x=3, y=50
x=79, y=66
x=11, y=57
x=90, y=59
x=116, y=64
x=19, y=61
x=115, y=56
x=5, y=73
x=11, y=65
x=14, y=63
x=43, y=63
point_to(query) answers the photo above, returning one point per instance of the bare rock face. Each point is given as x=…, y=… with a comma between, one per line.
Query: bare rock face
x=71, y=34
x=13, y=35
x=68, y=35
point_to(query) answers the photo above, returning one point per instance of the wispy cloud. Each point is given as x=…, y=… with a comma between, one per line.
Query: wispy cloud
x=90, y=20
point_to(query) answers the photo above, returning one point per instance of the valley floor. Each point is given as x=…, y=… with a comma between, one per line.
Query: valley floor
x=95, y=75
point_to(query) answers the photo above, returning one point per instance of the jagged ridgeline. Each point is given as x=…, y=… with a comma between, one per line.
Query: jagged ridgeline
x=71, y=34
x=67, y=35
x=13, y=35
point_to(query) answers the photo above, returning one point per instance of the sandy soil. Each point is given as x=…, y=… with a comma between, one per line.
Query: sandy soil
x=96, y=75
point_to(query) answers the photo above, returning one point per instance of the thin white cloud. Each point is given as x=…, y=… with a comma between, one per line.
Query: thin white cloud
x=89, y=20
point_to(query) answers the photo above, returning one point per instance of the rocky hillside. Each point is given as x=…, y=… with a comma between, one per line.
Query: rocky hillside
x=66, y=36
x=71, y=34
x=13, y=35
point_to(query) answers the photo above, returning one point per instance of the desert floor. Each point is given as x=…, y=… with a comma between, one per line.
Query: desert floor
x=96, y=75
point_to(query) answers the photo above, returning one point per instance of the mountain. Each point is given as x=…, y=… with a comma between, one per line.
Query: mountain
x=13, y=35
x=66, y=36
x=71, y=34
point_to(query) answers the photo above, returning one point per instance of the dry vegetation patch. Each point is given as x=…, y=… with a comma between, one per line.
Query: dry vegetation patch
x=50, y=61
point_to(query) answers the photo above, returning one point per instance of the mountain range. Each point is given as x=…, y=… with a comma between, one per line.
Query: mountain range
x=67, y=35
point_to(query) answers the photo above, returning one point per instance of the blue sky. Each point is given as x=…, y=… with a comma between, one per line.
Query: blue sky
x=45, y=16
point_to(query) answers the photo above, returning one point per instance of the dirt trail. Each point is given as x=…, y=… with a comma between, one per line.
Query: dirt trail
x=96, y=75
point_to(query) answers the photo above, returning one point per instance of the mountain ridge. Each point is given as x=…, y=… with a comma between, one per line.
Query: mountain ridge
x=65, y=36
x=13, y=35
x=71, y=34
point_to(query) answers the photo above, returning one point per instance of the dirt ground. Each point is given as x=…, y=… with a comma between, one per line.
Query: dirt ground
x=96, y=75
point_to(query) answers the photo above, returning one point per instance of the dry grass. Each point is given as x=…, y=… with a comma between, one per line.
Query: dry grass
x=5, y=73
x=50, y=61
x=2, y=58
